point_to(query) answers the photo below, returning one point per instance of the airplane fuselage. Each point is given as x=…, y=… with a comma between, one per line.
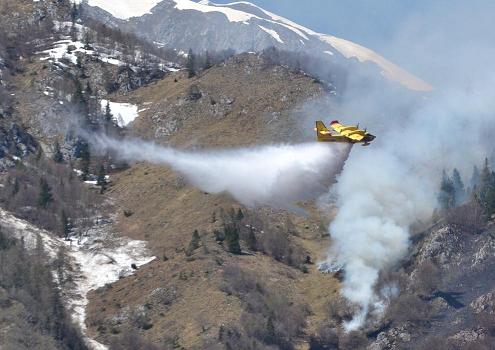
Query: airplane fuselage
x=344, y=134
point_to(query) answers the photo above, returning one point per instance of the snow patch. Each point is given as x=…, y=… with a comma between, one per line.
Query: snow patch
x=124, y=9
x=273, y=33
x=60, y=51
x=296, y=28
x=231, y=14
x=124, y=113
x=389, y=70
x=98, y=258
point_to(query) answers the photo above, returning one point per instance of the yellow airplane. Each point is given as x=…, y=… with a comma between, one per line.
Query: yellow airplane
x=346, y=134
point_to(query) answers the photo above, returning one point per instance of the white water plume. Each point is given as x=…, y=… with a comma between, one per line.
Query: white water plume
x=277, y=175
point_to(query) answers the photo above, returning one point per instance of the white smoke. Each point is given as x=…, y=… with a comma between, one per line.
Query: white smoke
x=394, y=183
x=277, y=175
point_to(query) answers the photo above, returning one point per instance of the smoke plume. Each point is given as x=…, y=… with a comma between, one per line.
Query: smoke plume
x=387, y=187
x=276, y=175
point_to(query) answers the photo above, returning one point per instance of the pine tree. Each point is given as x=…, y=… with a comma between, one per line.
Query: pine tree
x=270, y=331
x=486, y=178
x=194, y=244
x=39, y=154
x=87, y=40
x=190, y=64
x=207, y=61
x=89, y=91
x=486, y=192
x=460, y=191
x=446, y=197
x=45, y=194
x=15, y=187
x=232, y=214
x=251, y=241
x=73, y=32
x=79, y=62
x=57, y=154
x=78, y=94
x=101, y=179
x=232, y=238
x=240, y=215
x=85, y=160
x=475, y=178
x=74, y=13
x=64, y=225
x=60, y=263
x=108, y=113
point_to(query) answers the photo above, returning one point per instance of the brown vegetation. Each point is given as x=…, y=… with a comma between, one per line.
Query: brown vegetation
x=58, y=188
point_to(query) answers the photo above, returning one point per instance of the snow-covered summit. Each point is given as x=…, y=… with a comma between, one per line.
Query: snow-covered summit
x=241, y=26
x=123, y=9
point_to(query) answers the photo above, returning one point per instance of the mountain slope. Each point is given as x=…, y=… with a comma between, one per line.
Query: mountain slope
x=240, y=26
x=178, y=293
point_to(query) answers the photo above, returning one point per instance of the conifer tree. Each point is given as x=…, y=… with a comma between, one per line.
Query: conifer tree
x=207, y=61
x=460, y=191
x=89, y=90
x=251, y=241
x=85, y=160
x=194, y=244
x=475, y=178
x=15, y=187
x=232, y=238
x=240, y=215
x=60, y=263
x=486, y=177
x=79, y=62
x=64, y=225
x=486, y=192
x=101, y=179
x=190, y=64
x=57, y=154
x=73, y=32
x=270, y=331
x=87, y=40
x=74, y=13
x=78, y=94
x=45, y=194
x=39, y=154
x=108, y=113
x=446, y=197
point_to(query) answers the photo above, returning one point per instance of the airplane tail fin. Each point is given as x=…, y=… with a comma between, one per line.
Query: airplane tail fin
x=321, y=128
x=322, y=133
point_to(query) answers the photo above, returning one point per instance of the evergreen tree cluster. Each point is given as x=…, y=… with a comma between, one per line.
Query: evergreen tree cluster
x=482, y=189
x=452, y=190
x=230, y=234
x=47, y=194
x=26, y=280
x=485, y=193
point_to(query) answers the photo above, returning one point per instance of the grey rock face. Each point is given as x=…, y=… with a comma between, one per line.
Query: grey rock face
x=14, y=142
x=484, y=303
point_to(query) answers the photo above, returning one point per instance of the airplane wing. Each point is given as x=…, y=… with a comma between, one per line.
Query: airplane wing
x=337, y=126
x=351, y=132
x=337, y=138
x=355, y=136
